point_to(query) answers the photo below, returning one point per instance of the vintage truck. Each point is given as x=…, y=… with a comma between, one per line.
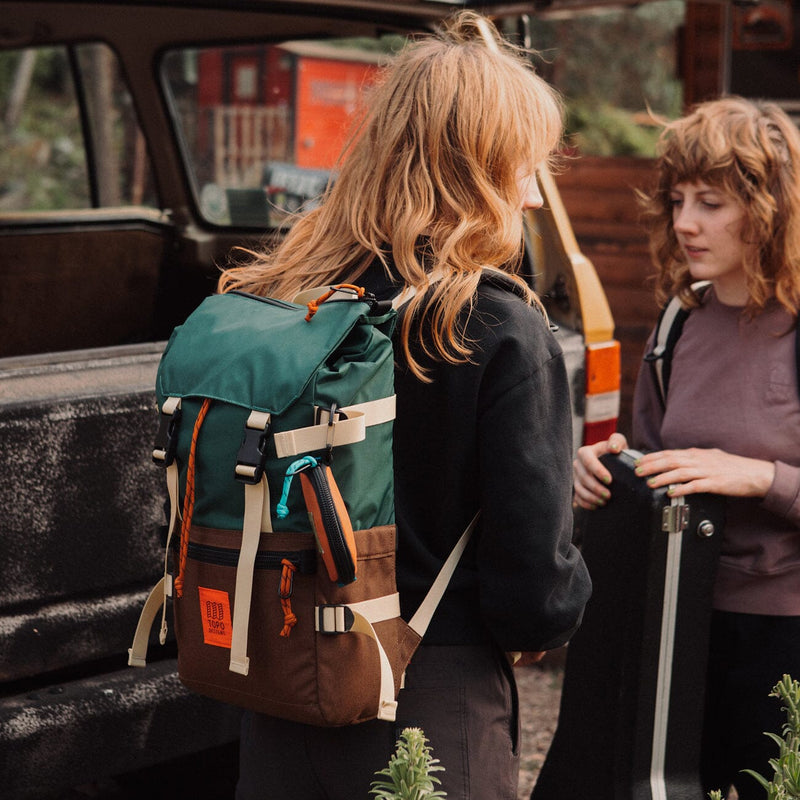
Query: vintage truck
x=140, y=143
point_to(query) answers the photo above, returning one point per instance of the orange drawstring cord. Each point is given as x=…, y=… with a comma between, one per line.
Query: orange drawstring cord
x=285, y=593
x=188, y=499
x=314, y=305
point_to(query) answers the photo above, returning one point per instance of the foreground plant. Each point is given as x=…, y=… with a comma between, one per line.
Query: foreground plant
x=408, y=774
x=785, y=784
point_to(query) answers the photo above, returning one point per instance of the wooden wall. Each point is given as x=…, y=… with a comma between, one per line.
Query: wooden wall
x=598, y=194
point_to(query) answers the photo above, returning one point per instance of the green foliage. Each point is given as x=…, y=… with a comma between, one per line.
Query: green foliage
x=408, y=775
x=603, y=130
x=785, y=784
x=612, y=65
x=42, y=157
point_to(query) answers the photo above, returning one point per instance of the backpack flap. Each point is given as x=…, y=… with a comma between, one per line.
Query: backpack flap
x=249, y=353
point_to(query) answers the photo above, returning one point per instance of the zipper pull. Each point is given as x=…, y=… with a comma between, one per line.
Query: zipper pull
x=282, y=510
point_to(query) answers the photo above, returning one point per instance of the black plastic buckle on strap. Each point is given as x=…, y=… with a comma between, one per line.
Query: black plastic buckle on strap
x=252, y=456
x=166, y=444
x=333, y=619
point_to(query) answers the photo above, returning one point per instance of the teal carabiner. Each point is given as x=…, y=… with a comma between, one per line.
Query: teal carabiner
x=282, y=510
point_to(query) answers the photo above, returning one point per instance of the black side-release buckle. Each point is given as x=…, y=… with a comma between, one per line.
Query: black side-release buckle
x=166, y=444
x=332, y=619
x=252, y=456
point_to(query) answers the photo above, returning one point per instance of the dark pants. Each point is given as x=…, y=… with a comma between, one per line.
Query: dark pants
x=463, y=698
x=748, y=655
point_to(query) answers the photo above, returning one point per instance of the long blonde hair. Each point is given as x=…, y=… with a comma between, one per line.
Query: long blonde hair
x=436, y=158
x=750, y=151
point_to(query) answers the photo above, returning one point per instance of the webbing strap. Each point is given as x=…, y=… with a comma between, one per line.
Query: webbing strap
x=173, y=477
x=409, y=292
x=137, y=652
x=387, y=705
x=345, y=431
x=375, y=412
x=256, y=495
x=663, y=338
x=333, y=619
x=422, y=618
x=157, y=599
x=656, y=355
x=379, y=608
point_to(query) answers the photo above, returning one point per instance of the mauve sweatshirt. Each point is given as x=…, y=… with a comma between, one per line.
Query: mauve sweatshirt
x=734, y=387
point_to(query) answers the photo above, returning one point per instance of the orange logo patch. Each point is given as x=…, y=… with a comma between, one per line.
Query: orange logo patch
x=215, y=613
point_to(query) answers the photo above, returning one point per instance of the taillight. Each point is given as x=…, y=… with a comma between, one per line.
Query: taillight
x=602, y=391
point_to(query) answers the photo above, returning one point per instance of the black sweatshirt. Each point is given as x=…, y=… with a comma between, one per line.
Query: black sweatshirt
x=494, y=435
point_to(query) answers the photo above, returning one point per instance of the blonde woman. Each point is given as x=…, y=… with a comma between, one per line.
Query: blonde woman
x=431, y=193
x=726, y=209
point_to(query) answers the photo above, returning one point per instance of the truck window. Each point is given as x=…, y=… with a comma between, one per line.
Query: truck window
x=262, y=125
x=80, y=231
x=69, y=138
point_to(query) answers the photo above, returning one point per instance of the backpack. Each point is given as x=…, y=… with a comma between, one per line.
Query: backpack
x=669, y=327
x=276, y=438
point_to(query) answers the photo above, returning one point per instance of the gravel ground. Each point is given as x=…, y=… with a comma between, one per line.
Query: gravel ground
x=539, y=696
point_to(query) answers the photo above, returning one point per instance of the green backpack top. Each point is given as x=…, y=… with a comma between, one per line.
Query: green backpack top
x=252, y=354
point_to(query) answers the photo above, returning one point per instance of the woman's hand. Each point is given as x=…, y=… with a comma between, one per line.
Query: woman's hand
x=590, y=477
x=706, y=470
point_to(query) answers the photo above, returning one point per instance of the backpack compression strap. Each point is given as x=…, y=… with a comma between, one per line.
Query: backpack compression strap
x=348, y=426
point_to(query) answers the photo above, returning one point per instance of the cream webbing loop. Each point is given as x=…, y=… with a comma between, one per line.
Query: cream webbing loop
x=137, y=652
x=157, y=599
x=173, y=476
x=315, y=437
x=420, y=621
x=375, y=412
x=387, y=705
x=346, y=431
x=256, y=495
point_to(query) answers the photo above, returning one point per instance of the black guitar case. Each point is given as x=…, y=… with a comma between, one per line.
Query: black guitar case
x=631, y=712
